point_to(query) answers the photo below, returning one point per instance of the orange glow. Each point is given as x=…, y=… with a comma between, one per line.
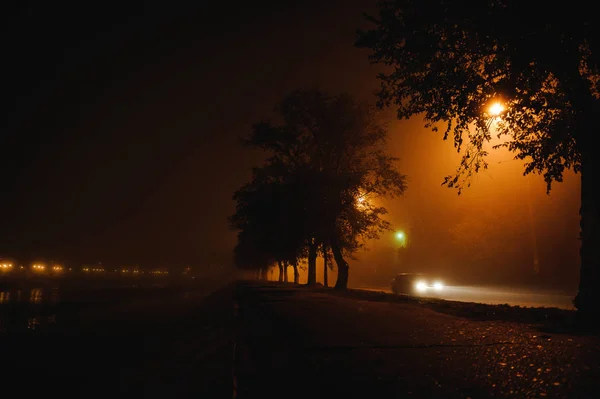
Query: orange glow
x=496, y=109
x=6, y=266
x=363, y=201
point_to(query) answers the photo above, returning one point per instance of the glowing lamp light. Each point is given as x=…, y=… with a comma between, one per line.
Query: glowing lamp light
x=496, y=109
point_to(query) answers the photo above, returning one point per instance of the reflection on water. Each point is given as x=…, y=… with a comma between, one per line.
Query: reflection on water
x=32, y=323
x=35, y=322
x=35, y=296
x=28, y=309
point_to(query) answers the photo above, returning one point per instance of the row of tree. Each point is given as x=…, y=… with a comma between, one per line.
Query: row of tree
x=316, y=192
x=444, y=61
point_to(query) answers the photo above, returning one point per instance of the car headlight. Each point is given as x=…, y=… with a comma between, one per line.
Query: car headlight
x=421, y=286
x=438, y=286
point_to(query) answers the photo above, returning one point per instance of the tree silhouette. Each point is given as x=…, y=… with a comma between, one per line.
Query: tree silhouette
x=268, y=219
x=326, y=264
x=249, y=254
x=448, y=61
x=327, y=152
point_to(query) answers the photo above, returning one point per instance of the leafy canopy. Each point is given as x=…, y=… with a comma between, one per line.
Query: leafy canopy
x=450, y=60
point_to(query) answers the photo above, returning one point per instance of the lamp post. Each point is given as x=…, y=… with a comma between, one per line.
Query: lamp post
x=401, y=240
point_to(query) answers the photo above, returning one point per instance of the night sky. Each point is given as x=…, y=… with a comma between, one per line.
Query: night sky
x=120, y=142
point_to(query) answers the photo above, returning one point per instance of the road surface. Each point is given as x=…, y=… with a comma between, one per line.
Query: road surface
x=292, y=342
x=498, y=295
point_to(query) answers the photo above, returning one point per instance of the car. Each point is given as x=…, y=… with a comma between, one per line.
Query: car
x=416, y=284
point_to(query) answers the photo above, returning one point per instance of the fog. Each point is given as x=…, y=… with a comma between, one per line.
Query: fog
x=504, y=230
x=163, y=199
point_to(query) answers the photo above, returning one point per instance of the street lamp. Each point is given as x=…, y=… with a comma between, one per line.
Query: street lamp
x=400, y=248
x=401, y=238
x=496, y=109
x=362, y=201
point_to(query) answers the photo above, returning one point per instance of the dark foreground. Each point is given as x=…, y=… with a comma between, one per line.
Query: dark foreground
x=145, y=342
x=253, y=340
x=313, y=344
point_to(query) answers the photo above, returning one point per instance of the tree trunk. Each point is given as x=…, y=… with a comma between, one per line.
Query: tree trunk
x=342, y=265
x=587, y=300
x=325, y=267
x=296, y=273
x=285, y=271
x=280, y=264
x=312, y=264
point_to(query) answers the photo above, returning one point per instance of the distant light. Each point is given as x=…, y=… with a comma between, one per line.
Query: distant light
x=438, y=286
x=496, y=109
x=400, y=235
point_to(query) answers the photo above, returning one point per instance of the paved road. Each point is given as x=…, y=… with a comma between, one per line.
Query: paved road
x=497, y=295
x=291, y=342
